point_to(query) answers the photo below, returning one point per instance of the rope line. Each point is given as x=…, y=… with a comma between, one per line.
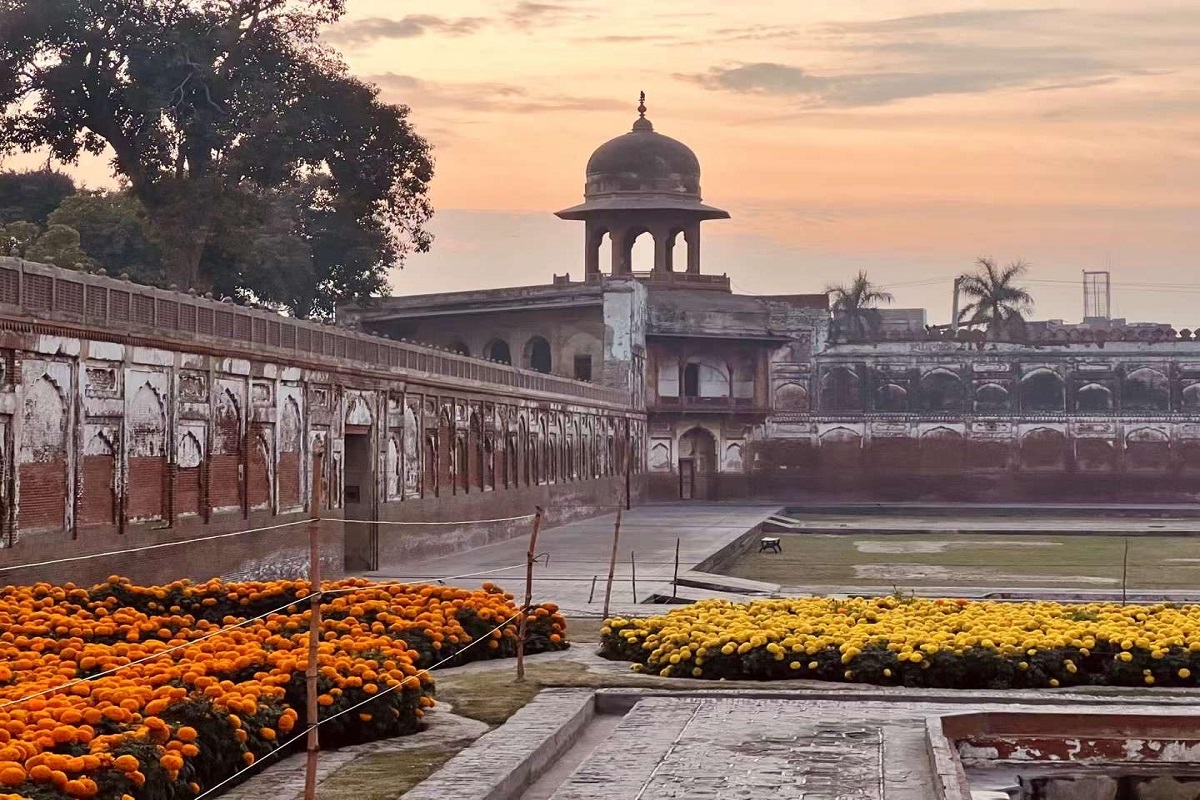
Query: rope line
x=422, y=579
x=457, y=522
x=157, y=546
x=216, y=536
x=153, y=656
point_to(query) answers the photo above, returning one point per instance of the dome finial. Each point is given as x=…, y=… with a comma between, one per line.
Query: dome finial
x=641, y=123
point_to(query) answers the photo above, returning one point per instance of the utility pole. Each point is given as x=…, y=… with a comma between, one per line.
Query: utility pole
x=954, y=308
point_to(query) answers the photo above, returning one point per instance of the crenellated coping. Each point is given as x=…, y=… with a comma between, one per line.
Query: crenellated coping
x=47, y=293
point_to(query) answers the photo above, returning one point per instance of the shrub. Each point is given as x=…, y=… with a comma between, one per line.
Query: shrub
x=914, y=642
x=209, y=701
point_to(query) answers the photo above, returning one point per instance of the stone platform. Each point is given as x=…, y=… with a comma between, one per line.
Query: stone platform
x=628, y=744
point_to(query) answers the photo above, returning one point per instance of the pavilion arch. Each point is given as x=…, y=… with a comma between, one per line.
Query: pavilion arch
x=1043, y=389
x=1093, y=398
x=1146, y=389
x=637, y=250
x=941, y=391
x=498, y=350
x=678, y=255
x=992, y=398
x=538, y=355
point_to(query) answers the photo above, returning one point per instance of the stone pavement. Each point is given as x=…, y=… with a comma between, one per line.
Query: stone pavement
x=579, y=551
x=735, y=745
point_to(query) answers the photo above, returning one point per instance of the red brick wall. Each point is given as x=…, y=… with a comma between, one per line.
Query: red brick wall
x=187, y=491
x=43, y=496
x=288, y=472
x=147, y=487
x=97, y=502
x=226, y=487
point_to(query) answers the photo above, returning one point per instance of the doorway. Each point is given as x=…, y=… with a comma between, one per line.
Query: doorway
x=362, y=540
x=697, y=465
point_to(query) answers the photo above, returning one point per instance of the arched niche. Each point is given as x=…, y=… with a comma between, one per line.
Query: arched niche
x=1044, y=449
x=891, y=398
x=841, y=389
x=941, y=392
x=1146, y=389
x=1093, y=398
x=1043, y=390
x=992, y=398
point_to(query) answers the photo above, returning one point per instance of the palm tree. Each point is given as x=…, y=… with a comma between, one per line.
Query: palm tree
x=854, y=314
x=997, y=301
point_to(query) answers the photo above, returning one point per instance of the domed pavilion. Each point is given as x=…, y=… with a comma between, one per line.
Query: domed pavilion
x=642, y=182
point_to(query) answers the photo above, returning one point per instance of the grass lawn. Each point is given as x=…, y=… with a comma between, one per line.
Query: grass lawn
x=977, y=561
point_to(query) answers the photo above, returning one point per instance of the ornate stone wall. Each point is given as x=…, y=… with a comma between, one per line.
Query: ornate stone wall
x=192, y=417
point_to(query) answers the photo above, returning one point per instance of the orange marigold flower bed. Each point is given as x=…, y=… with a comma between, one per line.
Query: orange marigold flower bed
x=122, y=690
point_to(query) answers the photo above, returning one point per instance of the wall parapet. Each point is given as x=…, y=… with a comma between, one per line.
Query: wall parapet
x=42, y=292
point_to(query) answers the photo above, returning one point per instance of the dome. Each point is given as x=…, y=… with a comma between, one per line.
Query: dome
x=642, y=170
x=643, y=160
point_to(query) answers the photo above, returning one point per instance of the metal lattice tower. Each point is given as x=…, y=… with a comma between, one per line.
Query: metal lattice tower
x=1097, y=295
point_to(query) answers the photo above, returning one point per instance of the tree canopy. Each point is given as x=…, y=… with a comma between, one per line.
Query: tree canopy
x=31, y=196
x=264, y=169
x=996, y=300
x=855, y=315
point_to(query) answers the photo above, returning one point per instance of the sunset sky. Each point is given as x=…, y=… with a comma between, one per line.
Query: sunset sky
x=904, y=137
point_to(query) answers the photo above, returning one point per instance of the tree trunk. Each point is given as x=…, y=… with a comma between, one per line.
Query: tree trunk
x=181, y=214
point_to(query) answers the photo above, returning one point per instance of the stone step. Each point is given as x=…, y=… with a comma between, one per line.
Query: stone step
x=727, y=583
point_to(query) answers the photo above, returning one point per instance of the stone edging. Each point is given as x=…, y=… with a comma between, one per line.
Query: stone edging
x=503, y=763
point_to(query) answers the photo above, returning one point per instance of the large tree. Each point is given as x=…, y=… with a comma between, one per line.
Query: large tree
x=997, y=302
x=855, y=313
x=219, y=114
x=31, y=196
x=112, y=231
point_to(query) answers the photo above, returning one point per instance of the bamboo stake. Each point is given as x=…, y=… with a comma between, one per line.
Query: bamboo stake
x=612, y=563
x=592, y=592
x=522, y=619
x=675, y=579
x=1125, y=573
x=312, y=710
x=633, y=575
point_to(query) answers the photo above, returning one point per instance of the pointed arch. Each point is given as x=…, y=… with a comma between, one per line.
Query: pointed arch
x=189, y=458
x=260, y=469
x=291, y=436
x=225, y=482
x=412, y=453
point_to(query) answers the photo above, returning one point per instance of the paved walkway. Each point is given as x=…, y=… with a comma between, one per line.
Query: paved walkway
x=579, y=551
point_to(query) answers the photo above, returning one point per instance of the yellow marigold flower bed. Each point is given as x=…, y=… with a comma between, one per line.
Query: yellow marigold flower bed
x=913, y=642
x=203, y=703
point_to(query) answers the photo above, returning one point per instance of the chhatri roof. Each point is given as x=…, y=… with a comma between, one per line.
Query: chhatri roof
x=643, y=170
